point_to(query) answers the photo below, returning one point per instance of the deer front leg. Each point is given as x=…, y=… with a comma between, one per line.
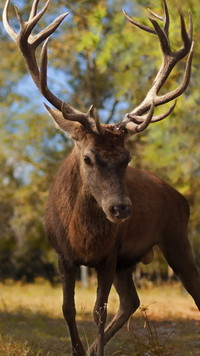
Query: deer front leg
x=129, y=302
x=105, y=275
x=68, y=278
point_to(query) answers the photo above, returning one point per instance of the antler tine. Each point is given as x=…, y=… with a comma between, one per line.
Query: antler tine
x=27, y=27
x=135, y=124
x=47, y=32
x=166, y=18
x=93, y=115
x=138, y=24
x=158, y=17
x=6, y=22
x=19, y=17
x=170, y=59
x=43, y=67
x=89, y=120
x=164, y=115
x=184, y=84
x=139, y=119
x=34, y=9
x=191, y=26
x=146, y=28
x=163, y=38
x=28, y=44
x=147, y=120
x=185, y=37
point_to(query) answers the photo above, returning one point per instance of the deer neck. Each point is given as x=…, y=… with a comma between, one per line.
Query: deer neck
x=89, y=231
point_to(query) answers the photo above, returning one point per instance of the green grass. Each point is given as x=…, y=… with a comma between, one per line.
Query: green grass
x=31, y=322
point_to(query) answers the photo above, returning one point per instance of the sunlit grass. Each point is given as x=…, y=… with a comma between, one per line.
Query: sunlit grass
x=31, y=322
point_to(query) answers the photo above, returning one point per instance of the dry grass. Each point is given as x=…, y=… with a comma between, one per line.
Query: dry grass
x=31, y=322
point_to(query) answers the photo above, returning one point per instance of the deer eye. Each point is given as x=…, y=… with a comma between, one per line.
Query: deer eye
x=87, y=160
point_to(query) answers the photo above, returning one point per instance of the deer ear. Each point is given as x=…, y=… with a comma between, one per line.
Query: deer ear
x=72, y=128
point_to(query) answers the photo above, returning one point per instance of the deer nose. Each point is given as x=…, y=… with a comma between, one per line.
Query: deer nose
x=121, y=211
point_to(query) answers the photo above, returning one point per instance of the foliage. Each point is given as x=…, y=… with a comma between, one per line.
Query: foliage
x=105, y=62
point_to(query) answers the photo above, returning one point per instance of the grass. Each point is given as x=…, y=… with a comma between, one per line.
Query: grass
x=31, y=322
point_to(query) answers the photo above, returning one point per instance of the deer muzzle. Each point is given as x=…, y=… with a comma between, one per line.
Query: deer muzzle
x=118, y=211
x=121, y=211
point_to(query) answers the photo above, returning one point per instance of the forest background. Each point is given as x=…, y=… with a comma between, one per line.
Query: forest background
x=97, y=58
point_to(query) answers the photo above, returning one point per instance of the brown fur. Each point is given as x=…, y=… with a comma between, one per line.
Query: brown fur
x=80, y=226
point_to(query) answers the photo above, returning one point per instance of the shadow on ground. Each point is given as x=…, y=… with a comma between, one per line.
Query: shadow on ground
x=27, y=333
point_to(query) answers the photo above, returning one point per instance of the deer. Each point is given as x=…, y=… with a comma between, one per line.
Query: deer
x=102, y=212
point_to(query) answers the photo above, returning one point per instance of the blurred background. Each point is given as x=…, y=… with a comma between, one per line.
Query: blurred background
x=95, y=57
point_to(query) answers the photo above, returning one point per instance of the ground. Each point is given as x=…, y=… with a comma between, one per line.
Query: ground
x=31, y=322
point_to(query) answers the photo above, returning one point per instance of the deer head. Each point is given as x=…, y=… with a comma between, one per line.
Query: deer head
x=101, y=148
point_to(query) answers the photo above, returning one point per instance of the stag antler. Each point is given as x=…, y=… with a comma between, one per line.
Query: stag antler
x=136, y=121
x=28, y=44
x=139, y=118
